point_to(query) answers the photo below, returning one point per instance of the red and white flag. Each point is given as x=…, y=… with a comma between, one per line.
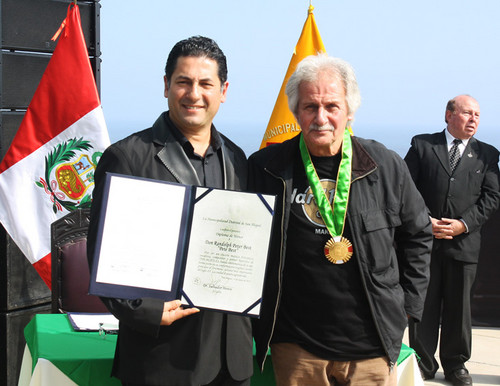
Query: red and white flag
x=48, y=170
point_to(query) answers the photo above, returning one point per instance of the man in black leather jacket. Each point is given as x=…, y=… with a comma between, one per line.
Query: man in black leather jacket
x=160, y=343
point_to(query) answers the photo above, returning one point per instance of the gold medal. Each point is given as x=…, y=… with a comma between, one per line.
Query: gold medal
x=338, y=250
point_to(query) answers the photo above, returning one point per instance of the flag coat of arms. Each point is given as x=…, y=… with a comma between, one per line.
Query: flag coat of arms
x=282, y=124
x=48, y=170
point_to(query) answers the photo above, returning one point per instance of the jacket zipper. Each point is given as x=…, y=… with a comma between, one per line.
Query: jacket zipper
x=279, y=267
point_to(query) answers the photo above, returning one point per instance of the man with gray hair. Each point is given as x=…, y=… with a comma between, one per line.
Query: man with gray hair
x=350, y=250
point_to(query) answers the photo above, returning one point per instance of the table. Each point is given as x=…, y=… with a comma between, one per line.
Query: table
x=74, y=358
x=57, y=355
x=408, y=371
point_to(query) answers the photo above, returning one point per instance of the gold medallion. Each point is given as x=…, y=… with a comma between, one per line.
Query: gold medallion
x=338, y=250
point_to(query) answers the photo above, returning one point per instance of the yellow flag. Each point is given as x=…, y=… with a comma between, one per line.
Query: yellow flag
x=282, y=124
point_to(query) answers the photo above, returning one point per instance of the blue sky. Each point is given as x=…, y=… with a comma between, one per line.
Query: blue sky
x=410, y=58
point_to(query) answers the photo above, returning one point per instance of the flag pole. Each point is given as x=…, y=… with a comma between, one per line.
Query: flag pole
x=282, y=124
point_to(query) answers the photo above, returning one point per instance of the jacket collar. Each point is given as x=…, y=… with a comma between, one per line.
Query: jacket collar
x=174, y=158
x=440, y=148
x=281, y=164
x=362, y=162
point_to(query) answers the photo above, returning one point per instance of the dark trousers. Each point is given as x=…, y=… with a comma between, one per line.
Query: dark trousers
x=447, y=301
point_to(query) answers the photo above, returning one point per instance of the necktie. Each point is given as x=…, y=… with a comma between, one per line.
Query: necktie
x=455, y=154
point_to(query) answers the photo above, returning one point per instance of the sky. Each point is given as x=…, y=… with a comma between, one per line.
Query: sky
x=410, y=58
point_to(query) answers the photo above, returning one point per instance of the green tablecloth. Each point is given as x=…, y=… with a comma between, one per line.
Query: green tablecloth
x=86, y=357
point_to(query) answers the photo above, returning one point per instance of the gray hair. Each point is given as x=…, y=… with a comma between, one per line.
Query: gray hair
x=309, y=69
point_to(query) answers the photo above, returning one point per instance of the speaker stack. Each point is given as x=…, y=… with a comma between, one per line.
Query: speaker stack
x=27, y=27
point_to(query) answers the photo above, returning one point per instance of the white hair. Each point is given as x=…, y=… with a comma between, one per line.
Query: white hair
x=309, y=69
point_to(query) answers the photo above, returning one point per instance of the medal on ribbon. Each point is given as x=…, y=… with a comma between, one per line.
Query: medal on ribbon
x=338, y=249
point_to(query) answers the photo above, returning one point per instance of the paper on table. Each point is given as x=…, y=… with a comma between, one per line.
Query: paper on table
x=92, y=322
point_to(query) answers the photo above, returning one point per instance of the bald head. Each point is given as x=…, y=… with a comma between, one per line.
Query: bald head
x=462, y=116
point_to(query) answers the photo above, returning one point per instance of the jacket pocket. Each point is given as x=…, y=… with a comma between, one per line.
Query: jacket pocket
x=379, y=219
x=379, y=227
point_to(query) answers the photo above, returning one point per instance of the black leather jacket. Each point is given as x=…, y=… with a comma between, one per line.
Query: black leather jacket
x=391, y=235
x=188, y=351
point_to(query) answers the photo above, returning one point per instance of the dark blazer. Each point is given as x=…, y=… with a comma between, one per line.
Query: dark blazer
x=188, y=351
x=470, y=193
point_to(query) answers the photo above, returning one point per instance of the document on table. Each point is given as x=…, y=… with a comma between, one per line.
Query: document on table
x=207, y=247
x=81, y=321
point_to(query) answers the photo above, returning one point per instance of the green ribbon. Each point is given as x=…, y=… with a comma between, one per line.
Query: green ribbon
x=334, y=215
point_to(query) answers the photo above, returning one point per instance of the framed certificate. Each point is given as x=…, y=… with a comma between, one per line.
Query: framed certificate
x=207, y=247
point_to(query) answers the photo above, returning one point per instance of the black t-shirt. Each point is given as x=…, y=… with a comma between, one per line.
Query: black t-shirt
x=323, y=306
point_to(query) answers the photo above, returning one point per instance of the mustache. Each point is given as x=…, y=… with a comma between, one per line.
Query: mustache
x=325, y=127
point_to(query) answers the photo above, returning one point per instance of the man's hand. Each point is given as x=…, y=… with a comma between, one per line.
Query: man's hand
x=173, y=311
x=447, y=228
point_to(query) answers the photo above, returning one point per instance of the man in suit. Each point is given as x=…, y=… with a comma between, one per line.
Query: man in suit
x=458, y=178
x=160, y=343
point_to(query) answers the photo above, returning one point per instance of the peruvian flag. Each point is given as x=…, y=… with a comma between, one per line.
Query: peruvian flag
x=48, y=170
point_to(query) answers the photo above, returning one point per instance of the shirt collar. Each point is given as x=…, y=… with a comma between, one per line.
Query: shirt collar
x=215, y=139
x=450, y=138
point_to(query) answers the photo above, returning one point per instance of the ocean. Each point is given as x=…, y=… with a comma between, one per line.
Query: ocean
x=397, y=138
x=394, y=138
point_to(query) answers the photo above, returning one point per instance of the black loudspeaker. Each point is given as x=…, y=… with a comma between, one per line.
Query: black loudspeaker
x=21, y=73
x=26, y=29
x=22, y=295
x=12, y=341
x=20, y=283
x=486, y=295
x=28, y=25
x=9, y=123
